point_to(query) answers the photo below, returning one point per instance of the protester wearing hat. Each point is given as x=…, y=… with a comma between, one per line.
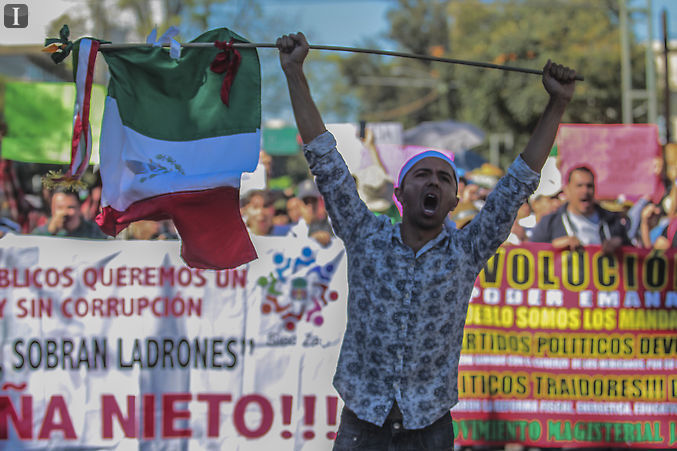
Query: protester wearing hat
x=463, y=214
x=410, y=283
x=314, y=222
x=538, y=206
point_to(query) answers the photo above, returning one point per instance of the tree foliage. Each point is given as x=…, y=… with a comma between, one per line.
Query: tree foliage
x=409, y=90
x=577, y=33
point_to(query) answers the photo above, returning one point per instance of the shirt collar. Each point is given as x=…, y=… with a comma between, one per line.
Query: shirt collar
x=444, y=234
x=397, y=233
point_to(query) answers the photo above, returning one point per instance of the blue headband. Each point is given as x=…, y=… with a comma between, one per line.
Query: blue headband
x=416, y=158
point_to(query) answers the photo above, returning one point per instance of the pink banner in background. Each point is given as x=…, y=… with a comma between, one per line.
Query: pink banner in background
x=625, y=158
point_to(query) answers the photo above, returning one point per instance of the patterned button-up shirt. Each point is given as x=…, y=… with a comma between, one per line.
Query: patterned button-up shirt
x=406, y=310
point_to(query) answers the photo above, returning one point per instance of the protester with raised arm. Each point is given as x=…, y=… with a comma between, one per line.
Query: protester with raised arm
x=410, y=283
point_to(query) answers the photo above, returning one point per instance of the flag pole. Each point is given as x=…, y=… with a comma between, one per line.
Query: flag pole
x=107, y=47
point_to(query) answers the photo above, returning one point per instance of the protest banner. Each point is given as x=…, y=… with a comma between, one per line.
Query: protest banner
x=626, y=158
x=574, y=349
x=118, y=344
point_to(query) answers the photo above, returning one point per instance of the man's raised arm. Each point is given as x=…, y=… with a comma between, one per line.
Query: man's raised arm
x=347, y=211
x=293, y=51
x=559, y=82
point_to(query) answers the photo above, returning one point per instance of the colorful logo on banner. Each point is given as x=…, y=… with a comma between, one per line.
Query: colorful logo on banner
x=297, y=289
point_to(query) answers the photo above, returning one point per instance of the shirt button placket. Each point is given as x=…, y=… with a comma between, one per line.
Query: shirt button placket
x=405, y=313
x=405, y=319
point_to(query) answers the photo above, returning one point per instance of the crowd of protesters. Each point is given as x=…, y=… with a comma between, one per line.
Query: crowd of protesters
x=569, y=218
x=299, y=211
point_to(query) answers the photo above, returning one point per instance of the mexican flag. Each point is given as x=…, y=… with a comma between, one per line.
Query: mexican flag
x=171, y=149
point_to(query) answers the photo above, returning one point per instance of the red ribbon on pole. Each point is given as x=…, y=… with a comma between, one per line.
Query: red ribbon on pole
x=77, y=135
x=227, y=61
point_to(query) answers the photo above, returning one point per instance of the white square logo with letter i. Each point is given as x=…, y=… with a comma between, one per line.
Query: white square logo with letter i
x=16, y=15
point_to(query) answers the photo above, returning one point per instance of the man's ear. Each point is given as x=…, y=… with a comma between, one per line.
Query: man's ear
x=398, y=194
x=454, y=204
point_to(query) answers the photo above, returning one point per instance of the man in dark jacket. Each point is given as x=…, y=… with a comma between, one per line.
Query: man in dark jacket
x=67, y=220
x=581, y=221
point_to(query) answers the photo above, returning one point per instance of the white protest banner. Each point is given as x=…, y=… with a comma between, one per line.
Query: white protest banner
x=118, y=345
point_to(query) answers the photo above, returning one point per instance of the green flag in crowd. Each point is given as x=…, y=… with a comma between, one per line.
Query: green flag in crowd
x=39, y=119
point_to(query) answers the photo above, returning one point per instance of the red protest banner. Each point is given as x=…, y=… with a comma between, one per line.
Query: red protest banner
x=572, y=349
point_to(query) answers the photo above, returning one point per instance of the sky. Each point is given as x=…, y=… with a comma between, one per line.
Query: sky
x=330, y=22
x=657, y=6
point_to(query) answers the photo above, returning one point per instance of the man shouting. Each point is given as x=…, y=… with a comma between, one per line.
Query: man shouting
x=410, y=283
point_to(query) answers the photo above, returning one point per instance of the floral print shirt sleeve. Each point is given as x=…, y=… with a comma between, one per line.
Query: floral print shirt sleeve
x=491, y=226
x=406, y=310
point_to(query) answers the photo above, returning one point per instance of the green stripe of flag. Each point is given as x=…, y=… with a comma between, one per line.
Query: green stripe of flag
x=171, y=100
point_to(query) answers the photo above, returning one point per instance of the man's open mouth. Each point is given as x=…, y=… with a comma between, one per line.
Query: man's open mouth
x=430, y=203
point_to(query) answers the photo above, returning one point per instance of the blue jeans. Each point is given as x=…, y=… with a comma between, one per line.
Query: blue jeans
x=356, y=434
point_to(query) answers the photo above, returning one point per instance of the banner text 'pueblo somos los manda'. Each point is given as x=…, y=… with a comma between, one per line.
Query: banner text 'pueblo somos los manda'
x=569, y=348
